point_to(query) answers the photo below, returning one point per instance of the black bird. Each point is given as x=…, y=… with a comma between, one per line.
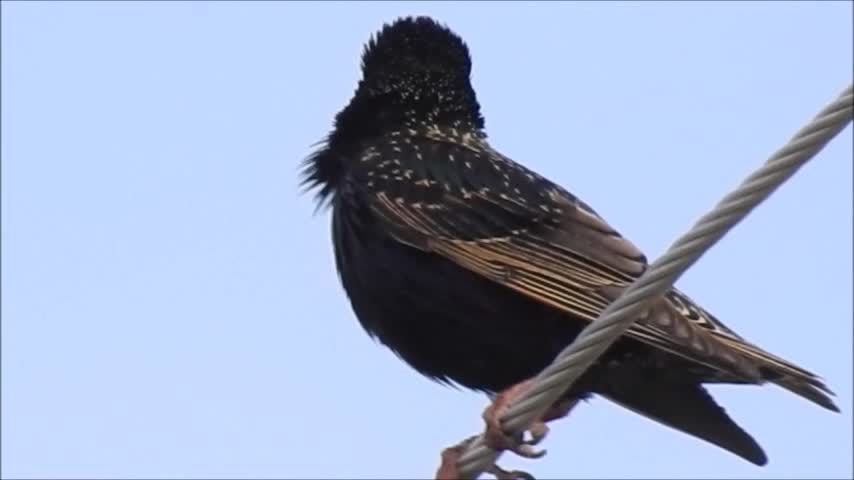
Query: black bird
x=477, y=271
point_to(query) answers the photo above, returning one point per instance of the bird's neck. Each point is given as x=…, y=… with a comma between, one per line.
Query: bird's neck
x=370, y=116
x=374, y=112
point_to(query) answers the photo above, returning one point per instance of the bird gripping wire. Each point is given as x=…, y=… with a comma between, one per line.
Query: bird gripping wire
x=555, y=379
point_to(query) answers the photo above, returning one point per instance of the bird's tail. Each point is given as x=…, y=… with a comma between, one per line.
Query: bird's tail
x=786, y=374
x=689, y=408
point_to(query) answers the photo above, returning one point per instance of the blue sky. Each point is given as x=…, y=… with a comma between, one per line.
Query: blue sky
x=170, y=305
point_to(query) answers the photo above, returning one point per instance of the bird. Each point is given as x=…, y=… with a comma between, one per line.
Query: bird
x=477, y=271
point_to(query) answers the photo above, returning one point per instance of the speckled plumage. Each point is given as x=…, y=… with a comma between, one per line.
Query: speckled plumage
x=478, y=271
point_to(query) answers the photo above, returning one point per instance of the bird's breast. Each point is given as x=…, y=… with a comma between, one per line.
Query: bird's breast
x=446, y=322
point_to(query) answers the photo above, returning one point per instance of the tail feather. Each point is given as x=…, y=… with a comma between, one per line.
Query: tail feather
x=793, y=378
x=810, y=388
x=690, y=409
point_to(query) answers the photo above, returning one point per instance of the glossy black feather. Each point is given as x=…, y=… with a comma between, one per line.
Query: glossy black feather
x=689, y=408
x=477, y=271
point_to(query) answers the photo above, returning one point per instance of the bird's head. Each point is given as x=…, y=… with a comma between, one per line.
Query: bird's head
x=415, y=74
x=412, y=52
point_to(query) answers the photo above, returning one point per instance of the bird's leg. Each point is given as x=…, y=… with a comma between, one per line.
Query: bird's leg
x=498, y=440
x=451, y=455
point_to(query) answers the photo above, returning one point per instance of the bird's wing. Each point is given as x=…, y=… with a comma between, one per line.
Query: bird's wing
x=464, y=201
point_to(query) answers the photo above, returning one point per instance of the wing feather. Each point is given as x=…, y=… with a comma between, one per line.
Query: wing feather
x=504, y=222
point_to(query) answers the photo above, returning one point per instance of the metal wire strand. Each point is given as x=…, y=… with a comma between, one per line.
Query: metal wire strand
x=552, y=382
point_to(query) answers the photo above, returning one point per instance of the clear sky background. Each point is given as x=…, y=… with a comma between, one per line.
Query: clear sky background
x=170, y=305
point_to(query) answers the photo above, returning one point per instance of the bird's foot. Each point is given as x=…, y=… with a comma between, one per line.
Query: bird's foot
x=497, y=439
x=495, y=436
x=451, y=455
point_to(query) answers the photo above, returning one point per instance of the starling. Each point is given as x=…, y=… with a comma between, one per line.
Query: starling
x=477, y=271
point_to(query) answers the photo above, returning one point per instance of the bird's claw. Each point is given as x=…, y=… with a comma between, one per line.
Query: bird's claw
x=451, y=455
x=518, y=444
x=501, y=474
x=497, y=439
x=538, y=432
